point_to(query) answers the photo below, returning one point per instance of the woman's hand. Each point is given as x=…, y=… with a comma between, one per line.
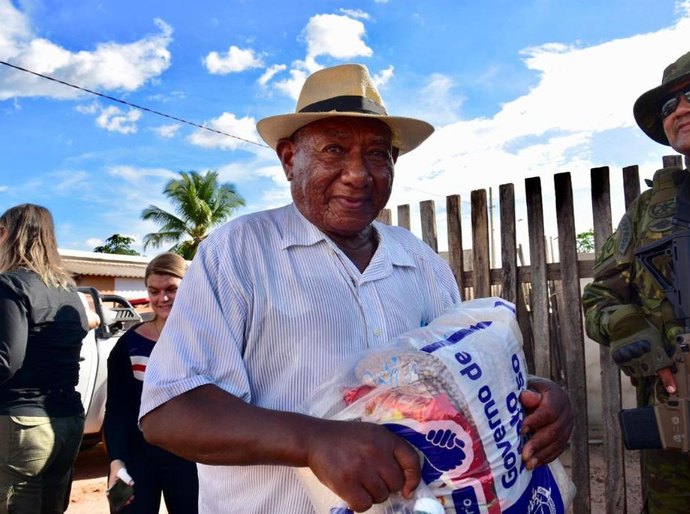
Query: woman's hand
x=116, y=468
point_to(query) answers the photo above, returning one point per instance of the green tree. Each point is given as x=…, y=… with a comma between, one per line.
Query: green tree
x=585, y=241
x=117, y=244
x=200, y=204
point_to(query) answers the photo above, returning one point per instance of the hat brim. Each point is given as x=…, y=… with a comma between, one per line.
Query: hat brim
x=647, y=108
x=408, y=133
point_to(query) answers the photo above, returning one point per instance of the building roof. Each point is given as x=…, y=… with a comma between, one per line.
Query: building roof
x=104, y=264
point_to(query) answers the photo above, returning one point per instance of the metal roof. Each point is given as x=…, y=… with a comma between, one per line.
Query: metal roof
x=104, y=265
x=104, y=268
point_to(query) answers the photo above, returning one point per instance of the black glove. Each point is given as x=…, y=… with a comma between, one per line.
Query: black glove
x=636, y=345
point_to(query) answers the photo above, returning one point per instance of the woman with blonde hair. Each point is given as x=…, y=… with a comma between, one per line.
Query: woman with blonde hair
x=151, y=470
x=42, y=324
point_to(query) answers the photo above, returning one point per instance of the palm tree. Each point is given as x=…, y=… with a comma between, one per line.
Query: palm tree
x=201, y=203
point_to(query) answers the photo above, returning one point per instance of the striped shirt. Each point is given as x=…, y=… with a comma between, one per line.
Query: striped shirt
x=268, y=309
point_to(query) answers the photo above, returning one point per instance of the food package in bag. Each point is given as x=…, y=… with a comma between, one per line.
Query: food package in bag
x=451, y=389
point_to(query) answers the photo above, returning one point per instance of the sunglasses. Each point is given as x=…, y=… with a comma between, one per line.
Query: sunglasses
x=670, y=105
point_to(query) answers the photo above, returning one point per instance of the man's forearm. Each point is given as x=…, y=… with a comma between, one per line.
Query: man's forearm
x=210, y=426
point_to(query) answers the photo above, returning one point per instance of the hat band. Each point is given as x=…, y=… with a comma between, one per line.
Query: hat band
x=346, y=104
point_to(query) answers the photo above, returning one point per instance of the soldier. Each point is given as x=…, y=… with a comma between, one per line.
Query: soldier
x=624, y=307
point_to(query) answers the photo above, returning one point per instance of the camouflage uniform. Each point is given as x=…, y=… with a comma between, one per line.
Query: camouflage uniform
x=619, y=279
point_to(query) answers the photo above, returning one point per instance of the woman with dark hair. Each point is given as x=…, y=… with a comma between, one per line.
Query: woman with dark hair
x=149, y=469
x=42, y=324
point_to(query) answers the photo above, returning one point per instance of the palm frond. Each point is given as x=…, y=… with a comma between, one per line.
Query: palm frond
x=200, y=202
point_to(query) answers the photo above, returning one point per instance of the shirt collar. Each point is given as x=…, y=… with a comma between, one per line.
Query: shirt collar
x=396, y=252
x=299, y=231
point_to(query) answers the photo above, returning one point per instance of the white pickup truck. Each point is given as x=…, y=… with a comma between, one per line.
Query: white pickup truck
x=117, y=315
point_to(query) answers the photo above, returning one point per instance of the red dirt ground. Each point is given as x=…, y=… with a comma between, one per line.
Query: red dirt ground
x=90, y=482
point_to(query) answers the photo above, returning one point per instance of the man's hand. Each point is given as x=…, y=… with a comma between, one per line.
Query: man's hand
x=550, y=420
x=363, y=463
x=667, y=379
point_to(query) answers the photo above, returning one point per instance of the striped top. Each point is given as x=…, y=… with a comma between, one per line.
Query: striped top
x=269, y=307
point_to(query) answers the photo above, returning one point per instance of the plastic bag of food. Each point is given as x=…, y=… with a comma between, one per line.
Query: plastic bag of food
x=451, y=389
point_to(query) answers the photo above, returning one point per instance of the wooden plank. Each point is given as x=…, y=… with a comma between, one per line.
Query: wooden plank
x=556, y=299
x=524, y=273
x=427, y=212
x=454, y=227
x=631, y=190
x=672, y=161
x=631, y=183
x=506, y=194
x=610, y=375
x=539, y=296
x=511, y=290
x=385, y=216
x=525, y=323
x=404, y=216
x=480, y=244
x=573, y=339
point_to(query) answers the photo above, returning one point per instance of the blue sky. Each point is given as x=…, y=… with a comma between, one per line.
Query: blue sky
x=514, y=89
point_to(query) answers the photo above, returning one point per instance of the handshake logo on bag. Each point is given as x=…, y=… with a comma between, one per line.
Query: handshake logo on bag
x=446, y=447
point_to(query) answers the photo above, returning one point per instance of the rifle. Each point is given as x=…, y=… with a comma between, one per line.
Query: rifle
x=667, y=424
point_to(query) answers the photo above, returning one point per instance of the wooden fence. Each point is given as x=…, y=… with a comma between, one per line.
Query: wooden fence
x=548, y=301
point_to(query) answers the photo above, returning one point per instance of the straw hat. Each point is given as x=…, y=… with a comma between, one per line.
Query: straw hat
x=345, y=90
x=647, y=108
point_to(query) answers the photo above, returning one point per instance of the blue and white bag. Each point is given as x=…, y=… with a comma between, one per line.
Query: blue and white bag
x=451, y=389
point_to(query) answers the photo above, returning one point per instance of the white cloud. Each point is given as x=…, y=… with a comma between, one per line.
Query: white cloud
x=71, y=181
x=683, y=7
x=276, y=191
x=113, y=119
x=382, y=78
x=579, y=111
x=331, y=35
x=270, y=73
x=249, y=173
x=355, y=13
x=110, y=66
x=292, y=86
x=166, y=131
x=132, y=188
x=172, y=96
x=90, y=108
x=340, y=37
x=437, y=102
x=275, y=197
x=136, y=175
x=234, y=60
x=15, y=29
x=227, y=123
x=93, y=242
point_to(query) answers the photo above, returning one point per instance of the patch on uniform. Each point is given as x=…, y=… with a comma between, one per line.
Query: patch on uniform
x=625, y=234
x=660, y=225
x=606, y=251
x=663, y=209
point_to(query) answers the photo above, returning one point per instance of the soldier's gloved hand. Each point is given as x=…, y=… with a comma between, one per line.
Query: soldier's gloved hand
x=636, y=345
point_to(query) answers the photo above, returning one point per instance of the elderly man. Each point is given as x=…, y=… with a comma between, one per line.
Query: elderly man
x=277, y=300
x=625, y=307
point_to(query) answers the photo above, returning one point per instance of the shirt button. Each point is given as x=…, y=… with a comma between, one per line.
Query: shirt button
x=377, y=332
